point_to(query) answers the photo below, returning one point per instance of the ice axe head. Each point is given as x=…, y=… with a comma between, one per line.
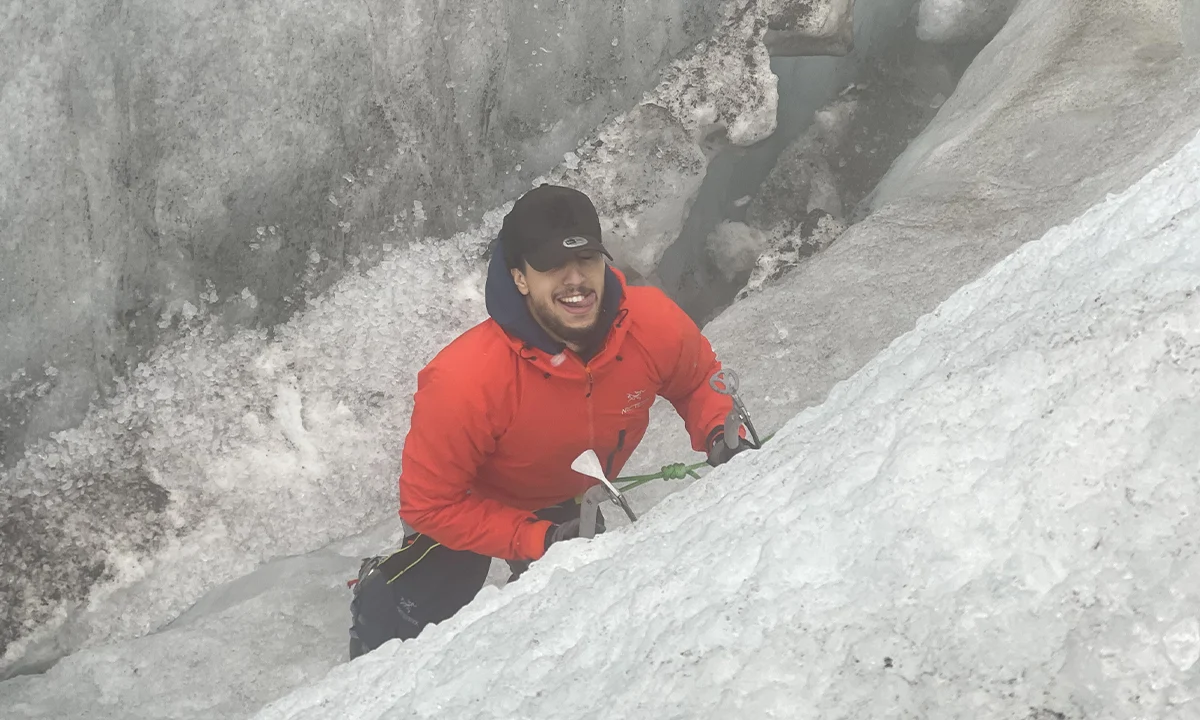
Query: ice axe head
x=589, y=464
x=725, y=381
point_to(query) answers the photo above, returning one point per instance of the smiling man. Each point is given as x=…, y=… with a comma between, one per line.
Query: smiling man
x=570, y=360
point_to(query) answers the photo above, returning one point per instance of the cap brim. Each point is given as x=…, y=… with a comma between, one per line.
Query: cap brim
x=553, y=255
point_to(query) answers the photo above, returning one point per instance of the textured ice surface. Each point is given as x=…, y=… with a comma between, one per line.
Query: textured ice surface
x=226, y=452
x=810, y=27
x=1000, y=165
x=282, y=620
x=992, y=519
x=150, y=145
x=1189, y=20
x=803, y=178
x=1009, y=155
x=952, y=21
x=786, y=251
x=735, y=247
x=161, y=156
x=643, y=169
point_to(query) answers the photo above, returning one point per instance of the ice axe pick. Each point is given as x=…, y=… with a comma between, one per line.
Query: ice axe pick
x=589, y=464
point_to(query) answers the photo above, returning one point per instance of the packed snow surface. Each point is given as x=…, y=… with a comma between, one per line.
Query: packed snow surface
x=995, y=518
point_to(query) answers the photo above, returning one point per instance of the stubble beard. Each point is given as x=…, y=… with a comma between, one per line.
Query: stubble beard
x=547, y=317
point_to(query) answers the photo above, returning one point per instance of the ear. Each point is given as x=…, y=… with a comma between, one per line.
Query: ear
x=519, y=279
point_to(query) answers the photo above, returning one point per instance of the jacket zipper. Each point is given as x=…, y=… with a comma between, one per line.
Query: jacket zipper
x=591, y=419
x=612, y=456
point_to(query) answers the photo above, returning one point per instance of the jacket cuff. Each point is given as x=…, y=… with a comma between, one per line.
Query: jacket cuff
x=715, y=434
x=531, y=539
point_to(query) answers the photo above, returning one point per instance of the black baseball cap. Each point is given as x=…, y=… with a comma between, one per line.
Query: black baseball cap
x=548, y=225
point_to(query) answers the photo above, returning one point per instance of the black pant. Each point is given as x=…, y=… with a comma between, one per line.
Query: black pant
x=425, y=582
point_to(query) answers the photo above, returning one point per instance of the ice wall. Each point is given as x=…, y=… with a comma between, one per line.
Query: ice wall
x=173, y=160
x=168, y=160
x=1069, y=102
x=805, y=85
x=219, y=448
x=958, y=21
x=1189, y=12
x=994, y=519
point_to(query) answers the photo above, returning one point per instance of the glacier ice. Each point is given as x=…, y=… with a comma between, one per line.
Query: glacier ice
x=958, y=21
x=211, y=458
x=147, y=142
x=1009, y=155
x=218, y=419
x=1189, y=20
x=993, y=518
x=810, y=27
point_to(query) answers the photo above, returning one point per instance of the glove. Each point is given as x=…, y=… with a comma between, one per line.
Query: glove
x=719, y=453
x=566, y=531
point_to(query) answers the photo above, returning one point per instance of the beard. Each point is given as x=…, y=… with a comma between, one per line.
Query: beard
x=546, y=313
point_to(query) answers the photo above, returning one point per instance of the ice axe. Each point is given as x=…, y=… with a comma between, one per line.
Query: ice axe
x=589, y=464
x=725, y=381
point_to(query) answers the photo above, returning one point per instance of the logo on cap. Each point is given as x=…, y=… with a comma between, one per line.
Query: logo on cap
x=574, y=242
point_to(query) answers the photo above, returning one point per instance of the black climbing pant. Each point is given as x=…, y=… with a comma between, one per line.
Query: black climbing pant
x=424, y=582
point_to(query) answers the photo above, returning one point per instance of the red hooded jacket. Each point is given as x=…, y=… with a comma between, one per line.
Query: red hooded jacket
x=503, y=410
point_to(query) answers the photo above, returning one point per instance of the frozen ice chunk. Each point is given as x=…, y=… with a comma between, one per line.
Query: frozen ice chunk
x=735, y=247
x=810, y=27
x=803, y=178
x=1183, y=643
x=644, y=169
x=955, y=21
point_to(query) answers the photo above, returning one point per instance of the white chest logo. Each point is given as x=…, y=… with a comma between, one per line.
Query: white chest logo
x=636, y=401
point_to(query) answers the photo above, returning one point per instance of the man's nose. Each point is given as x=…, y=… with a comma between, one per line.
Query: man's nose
x=574, y=273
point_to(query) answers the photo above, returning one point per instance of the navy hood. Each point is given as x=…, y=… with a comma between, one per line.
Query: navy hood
x=506, y=305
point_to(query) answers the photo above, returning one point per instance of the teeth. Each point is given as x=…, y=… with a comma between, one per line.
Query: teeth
x=573, y=299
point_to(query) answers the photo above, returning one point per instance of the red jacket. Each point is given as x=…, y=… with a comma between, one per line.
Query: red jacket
x=502, y=411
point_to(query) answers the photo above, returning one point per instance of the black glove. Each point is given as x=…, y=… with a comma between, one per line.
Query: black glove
x=566, y=531
x=719, y=453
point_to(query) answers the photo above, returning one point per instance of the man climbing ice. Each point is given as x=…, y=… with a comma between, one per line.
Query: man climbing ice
x=570, y=360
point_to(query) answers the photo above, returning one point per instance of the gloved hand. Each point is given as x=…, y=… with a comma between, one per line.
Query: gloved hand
x=719, y=453
x=566, y=531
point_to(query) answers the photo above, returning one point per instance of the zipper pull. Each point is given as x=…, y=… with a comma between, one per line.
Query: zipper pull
x=588, y=370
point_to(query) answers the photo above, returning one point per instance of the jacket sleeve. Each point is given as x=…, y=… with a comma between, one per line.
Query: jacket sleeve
x=687, y=363
x=454, y=428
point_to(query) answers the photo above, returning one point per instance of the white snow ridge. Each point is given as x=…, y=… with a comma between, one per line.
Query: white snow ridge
x=995, y=518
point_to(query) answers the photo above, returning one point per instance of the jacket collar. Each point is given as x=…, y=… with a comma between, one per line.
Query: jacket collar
x=506, y=305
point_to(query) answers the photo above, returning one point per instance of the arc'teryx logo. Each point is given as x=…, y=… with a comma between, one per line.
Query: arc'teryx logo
x=637, y=399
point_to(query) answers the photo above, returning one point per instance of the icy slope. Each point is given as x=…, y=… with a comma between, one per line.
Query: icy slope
x=993, y=519
x=1072, y=100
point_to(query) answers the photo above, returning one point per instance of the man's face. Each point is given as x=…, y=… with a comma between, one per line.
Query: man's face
x=565, y=300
